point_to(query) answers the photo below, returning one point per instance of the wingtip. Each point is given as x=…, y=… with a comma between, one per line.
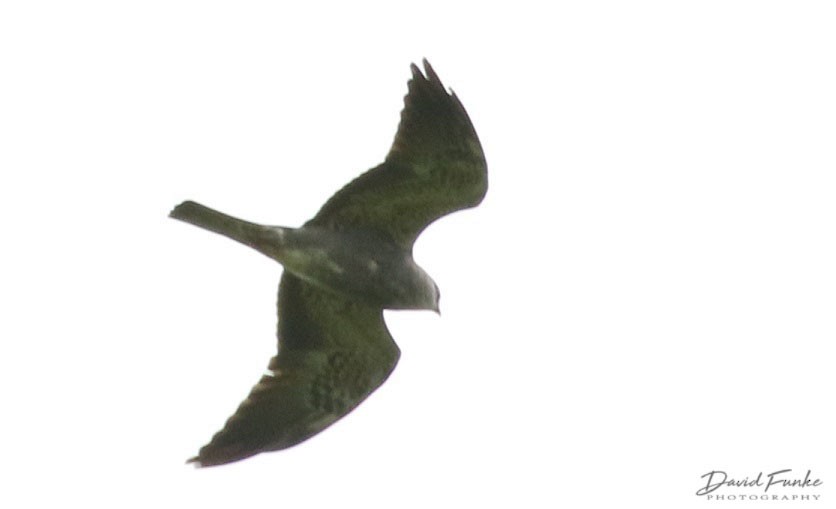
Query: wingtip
x=195, y=462
x=427, y=77
x=430, y=72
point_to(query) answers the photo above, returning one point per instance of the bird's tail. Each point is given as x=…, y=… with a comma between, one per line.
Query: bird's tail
x=264, y=239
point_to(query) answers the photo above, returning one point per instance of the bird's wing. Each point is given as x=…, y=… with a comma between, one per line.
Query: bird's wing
x=435, y=166
x=333, y=353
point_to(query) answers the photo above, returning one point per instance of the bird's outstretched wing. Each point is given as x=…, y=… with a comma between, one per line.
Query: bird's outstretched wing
x=435, y=166
x=333, y=353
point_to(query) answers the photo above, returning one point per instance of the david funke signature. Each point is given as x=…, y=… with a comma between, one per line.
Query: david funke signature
x=718, y=478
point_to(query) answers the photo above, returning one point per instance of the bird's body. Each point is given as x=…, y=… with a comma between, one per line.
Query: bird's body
x=357, y=264
x=343, y=268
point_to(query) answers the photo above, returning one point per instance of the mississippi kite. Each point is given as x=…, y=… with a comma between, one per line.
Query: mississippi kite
x=343, y=268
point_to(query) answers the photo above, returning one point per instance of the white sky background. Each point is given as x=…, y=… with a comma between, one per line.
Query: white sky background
x=646, y=294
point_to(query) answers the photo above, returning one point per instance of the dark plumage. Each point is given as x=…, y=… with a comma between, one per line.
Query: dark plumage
x=343, y=267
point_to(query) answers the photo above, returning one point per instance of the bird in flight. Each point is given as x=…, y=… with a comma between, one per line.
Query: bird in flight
x=343, y=268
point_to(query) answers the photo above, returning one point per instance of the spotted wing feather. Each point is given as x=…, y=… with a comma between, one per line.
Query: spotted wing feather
x=332, y=354
x=435, y=166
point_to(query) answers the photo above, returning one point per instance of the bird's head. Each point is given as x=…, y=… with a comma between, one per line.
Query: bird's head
x=437, y=298
x=416, y=289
